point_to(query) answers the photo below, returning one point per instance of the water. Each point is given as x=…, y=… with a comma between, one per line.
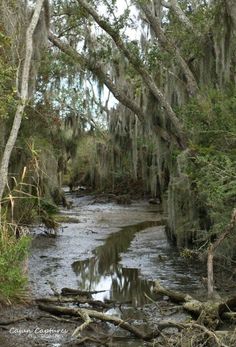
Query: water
x=118, y=249
x=129, y=261
x=103, y=271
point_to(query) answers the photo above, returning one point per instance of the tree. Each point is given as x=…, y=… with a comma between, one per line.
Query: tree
x=24, y=86
x=169, y=82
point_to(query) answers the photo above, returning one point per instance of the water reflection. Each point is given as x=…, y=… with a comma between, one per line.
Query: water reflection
x=103, y=271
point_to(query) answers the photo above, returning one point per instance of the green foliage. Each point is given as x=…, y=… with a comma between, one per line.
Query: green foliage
x=48, y=207
x=156, y=57
x=7, y=73
x=84, y=160
x=212, y=113
x=211, y=122
x=214, y=174
x=13, y=253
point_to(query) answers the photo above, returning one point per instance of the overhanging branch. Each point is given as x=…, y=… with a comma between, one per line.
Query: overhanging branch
x=140, y=68
x=118, y=93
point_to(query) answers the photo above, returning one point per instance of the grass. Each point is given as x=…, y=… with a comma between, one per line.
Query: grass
x=13, y=255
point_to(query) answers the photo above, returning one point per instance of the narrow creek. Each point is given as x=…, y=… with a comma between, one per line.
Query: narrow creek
x=118, y=250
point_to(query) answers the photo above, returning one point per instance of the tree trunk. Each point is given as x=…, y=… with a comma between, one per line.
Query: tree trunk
x=154, y=22
x=181, y=15
x=210, y=272
x=24, y=96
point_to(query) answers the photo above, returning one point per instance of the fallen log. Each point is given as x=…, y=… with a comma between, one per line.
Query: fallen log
x=86, y=315
x=174, y=296
x=71, y=291
x=75, y=299
x=208, y=314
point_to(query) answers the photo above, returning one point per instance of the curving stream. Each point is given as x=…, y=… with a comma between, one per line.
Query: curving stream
x=118, y=250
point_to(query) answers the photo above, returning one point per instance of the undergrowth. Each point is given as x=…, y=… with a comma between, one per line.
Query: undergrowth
x=13, y=262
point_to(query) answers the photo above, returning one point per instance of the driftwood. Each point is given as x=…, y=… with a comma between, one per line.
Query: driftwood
x=175, y=296
x=87, y=320
x=86, y=315
x=71, y=291
x=193, y=328
x=231, y=316
x=212, y=336
x=208, y=314
x=75, y=300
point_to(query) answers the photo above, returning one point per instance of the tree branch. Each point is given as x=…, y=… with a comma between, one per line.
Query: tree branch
x=169, y=46
x=119, y=94
x=140, y=68
x=181, y=15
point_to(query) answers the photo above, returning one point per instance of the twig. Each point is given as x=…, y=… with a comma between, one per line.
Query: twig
x=87, y=320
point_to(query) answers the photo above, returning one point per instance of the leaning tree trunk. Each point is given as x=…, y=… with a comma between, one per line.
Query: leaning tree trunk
x=24, y=97
x=169, y=46
x=118, y=93
x=141, y=69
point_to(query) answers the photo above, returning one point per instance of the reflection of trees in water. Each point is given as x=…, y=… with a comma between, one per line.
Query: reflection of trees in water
x=131, y=288
x=125, y=283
